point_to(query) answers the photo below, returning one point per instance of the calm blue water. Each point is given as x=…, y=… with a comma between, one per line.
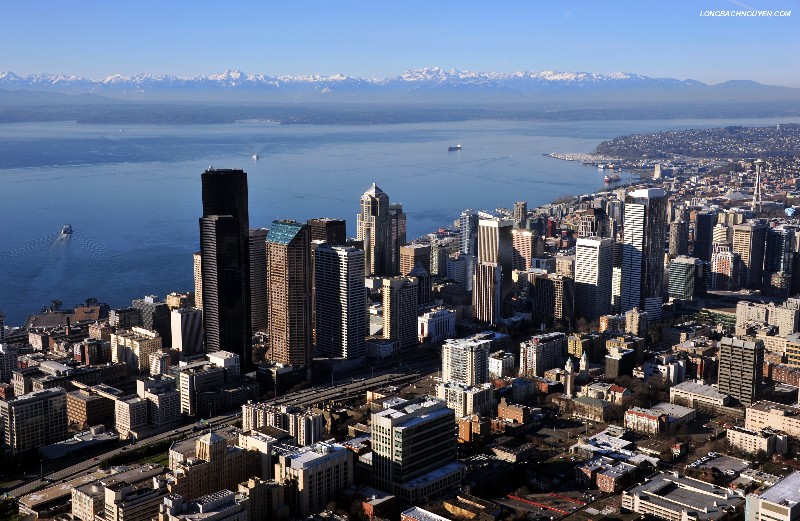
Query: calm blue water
x=133, y=196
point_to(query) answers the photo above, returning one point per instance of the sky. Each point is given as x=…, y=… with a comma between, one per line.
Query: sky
x=382, y=38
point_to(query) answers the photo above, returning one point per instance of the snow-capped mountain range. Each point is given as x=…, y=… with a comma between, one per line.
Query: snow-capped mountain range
x=433, y=80
x=236, y=78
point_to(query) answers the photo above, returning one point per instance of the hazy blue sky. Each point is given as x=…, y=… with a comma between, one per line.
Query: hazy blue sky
x=379, y=38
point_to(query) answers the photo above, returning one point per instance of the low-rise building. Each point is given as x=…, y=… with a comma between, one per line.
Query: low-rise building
x=467, y=399
x=318, y=472
x=698, y=396
x=774, y=416
x=675, y=498
x=305, y=425
x=125, y=502
x=753, y=442
x=87, y=409
x=501, y=364
x=781, y=502
x=88, y=500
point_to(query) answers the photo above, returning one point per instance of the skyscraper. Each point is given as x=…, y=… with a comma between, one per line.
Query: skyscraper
x=486, y=297
x=593, y=264
x=289, y=293
x=644, y=234
x=198, y=279
x=155, y=316
x=341, y=301
x=225, y=263
x=703, y=234
x=678, y=238
x=725, y=271
x=741, y=363
x=749, y=241
x=258, y=279
x=413, y=254
x=523, y=244
x=594, y=223
x=686, y=278
x=397, y=237
x=468, y=232
x=373, y=228
x=552, y=297
x=779, y=255
x=400, y=310
x=187, y=331
x=332, y=231
x=520, y=212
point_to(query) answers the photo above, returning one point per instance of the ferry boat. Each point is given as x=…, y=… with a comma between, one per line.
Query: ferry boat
x=454, y=148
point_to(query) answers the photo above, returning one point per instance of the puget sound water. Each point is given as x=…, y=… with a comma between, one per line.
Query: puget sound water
x=132, y=194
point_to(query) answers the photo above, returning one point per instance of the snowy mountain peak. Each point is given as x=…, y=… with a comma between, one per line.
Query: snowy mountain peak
x=426, y=79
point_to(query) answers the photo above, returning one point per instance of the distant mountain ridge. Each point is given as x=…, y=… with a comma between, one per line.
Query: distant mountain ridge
x=420, y=84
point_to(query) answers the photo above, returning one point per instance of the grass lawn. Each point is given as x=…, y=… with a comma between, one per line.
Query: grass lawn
x=161, y=459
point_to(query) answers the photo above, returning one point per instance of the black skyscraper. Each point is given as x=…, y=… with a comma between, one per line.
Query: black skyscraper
x=225, y=256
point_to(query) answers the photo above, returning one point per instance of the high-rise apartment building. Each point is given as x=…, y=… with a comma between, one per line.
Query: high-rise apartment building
x=289, y=300
x=542, y=353
x=258, y=279
x=644, y=235
x=466, y=361
x=414, y=254
x=373, y=229
x=593, y=275
x=225, y=263
x=332, y=231
x=400, y=310
x=741, y=362
x=749, y=242
x=34, y=420
x=340, y=300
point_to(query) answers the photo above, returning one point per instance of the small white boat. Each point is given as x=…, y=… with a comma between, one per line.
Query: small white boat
x=256, y=157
